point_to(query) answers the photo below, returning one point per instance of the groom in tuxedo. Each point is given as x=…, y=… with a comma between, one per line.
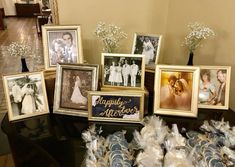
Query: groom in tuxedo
x=221, y=77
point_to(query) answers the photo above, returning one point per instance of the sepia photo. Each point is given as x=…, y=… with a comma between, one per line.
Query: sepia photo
x=123, y=71
x=176, y=90
x=73, y=82
x=214, y=87
x=25, y=95
x=61, y=44
x=148, y=45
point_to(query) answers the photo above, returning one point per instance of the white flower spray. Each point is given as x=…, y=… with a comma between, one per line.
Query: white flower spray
x=198, y=33
x=17, y=49
x=110, y=36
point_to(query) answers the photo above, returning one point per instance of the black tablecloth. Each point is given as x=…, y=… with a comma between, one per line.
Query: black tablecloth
x=55, y=140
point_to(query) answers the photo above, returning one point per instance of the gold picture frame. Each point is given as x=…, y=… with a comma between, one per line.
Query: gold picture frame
x=54, y=11
x=124, y=71
x=73, y=81
x=214, y=86
x=25, y=95
x=148, y=45
x=61, y=44
x=116, y=106
x=176, y=90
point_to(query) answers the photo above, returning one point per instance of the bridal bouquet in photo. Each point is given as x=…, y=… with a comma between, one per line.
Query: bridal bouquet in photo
x=110, y=36
x=19, y=49
x=198, y=33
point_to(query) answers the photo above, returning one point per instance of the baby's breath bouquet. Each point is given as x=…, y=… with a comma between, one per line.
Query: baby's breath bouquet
x=198, y=33
x=19, y=49
x=110, y=36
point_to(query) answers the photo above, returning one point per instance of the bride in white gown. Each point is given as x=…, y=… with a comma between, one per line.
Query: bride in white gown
x=77, y=97
x=28, y=103
x=183, y=94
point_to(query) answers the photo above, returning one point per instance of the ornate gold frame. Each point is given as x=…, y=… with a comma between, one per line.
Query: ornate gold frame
x=54, y=11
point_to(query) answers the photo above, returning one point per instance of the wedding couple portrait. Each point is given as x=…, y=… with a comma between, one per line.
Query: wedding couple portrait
x=176, y=90
x=26, y=95
x=212, y=87
x=62, y=47
x=147, y=45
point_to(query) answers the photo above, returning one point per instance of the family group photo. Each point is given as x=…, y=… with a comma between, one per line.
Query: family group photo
x=123, y=71
x=62, y=47
x=148, y=46
x=212, y=87
x=26, y=94
x=176, y=90
x=74, y=87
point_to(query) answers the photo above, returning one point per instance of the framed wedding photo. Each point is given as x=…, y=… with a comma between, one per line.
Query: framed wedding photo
x=214, y=87
x=73, y=81
x=122, y=71
x=148, y=45
x=61, y=44
x=25, y=95
x=176, y=90
x=116, y=106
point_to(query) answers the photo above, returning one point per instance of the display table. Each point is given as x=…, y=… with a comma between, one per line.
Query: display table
x=55, y=140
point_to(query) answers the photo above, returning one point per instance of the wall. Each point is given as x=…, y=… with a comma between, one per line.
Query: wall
x=9, y=7
x=147, y=16
x=216, y=14
x=1, y=5
x=167, y=17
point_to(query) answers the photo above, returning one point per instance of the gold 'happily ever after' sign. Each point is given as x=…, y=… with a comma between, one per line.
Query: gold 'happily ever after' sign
x=115, y=106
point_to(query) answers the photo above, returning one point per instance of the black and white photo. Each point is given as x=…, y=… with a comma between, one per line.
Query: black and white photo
x=123, y=70
x=62, y=44
x=148, y=45
x=26, y=95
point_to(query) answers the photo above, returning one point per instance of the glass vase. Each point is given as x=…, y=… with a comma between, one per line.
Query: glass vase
x=24, y=67
x=190, y=59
